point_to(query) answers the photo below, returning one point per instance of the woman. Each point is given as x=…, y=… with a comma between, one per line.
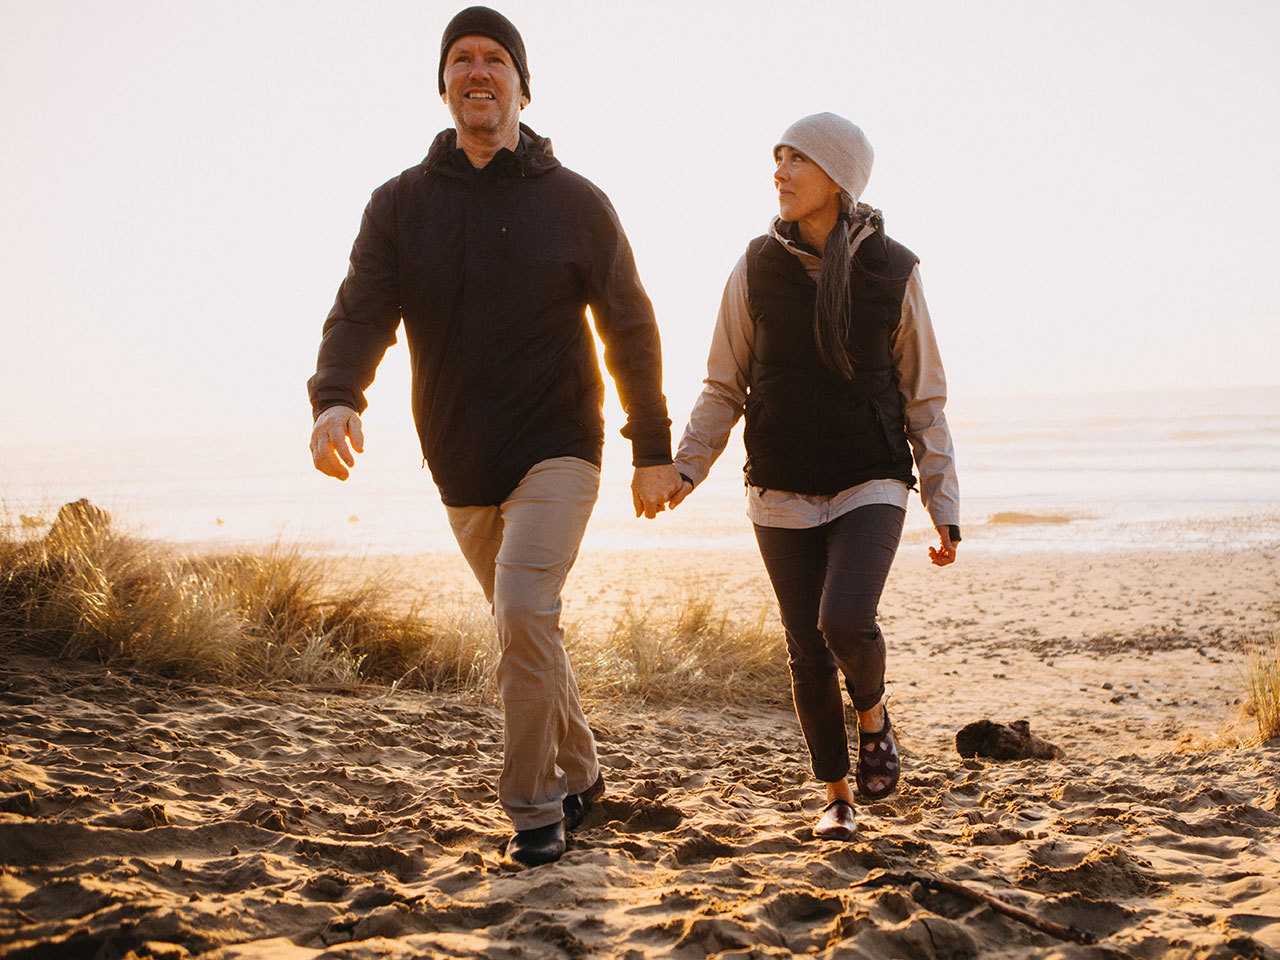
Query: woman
x=824, y=341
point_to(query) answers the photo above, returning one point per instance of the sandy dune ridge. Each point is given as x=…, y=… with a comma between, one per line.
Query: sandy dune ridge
x=169, y=819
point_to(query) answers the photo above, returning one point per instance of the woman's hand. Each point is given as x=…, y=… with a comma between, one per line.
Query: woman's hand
x=686, y=488
x=945, y=552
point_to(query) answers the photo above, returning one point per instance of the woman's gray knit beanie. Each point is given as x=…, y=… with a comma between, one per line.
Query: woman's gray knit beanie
x=839, y=147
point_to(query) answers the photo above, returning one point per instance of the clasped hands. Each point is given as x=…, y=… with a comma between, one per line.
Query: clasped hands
x=654, y=489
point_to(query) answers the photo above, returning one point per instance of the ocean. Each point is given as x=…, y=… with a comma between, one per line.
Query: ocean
x=1139, y=471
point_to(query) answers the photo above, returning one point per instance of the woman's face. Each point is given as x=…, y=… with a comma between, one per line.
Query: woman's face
x=803, y=187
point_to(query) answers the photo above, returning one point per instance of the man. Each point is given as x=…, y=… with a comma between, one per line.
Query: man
x=490, y=251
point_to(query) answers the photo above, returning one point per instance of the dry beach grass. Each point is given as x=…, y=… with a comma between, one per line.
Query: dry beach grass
x=280, y=617
x=1264, y=687
x=85, y=591
x=207, y=757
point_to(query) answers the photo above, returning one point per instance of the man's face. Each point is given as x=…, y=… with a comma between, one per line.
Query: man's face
x=482, y=85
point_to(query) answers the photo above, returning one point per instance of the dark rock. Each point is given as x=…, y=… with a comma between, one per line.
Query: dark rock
x=1000, y=741
x=22, y=802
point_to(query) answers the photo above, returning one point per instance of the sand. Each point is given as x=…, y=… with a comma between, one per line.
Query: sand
x=171, y=819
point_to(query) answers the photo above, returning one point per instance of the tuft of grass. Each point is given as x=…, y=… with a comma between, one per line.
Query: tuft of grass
x=1264, y=688
x=86, y=591
x=695, y=652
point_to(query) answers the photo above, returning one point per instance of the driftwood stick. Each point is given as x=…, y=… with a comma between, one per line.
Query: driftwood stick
x=880, y=878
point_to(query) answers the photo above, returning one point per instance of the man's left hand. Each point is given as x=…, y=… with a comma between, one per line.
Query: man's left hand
x=652, y=487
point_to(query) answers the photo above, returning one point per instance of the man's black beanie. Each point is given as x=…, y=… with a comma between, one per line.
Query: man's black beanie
x=483, y=22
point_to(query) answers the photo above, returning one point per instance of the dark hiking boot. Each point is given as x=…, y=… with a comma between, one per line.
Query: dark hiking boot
x=578, y=805
x=540, y=845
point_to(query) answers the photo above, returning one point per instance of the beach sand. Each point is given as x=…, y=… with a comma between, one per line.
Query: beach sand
x=174, y=819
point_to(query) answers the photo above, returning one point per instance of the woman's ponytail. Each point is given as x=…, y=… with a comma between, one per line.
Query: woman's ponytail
x=831, y=316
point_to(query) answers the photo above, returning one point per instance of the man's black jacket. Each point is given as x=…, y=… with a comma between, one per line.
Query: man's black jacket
x=491, y=270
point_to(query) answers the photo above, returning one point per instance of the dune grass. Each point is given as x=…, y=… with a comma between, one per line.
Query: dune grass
x=697, y=652
x=86, y=591
x=1263, y=681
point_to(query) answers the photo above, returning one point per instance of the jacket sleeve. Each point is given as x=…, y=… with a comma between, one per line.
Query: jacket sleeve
x=724, y=391
x=362, y=324
x=632, y=349
x=923, y=385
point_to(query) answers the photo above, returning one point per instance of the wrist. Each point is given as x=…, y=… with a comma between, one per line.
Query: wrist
x=335, y=406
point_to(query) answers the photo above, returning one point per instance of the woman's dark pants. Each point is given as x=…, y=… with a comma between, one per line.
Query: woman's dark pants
x=828, y=580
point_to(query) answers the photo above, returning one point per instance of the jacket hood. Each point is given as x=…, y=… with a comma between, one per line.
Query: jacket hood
x=532, y=156
x=867, y=220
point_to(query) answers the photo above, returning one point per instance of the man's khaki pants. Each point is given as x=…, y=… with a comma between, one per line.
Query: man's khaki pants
x=521, y=552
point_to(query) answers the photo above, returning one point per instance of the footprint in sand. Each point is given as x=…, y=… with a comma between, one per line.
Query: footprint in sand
x=635, y=815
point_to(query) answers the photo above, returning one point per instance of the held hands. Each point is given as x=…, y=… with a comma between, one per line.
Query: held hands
x=329, y=436
x=945, y=552
x=652, y=488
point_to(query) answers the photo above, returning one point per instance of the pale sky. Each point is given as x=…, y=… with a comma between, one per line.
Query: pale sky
x=1091, y=187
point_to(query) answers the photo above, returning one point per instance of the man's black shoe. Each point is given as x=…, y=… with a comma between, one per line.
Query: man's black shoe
x=578, y=805
x=537, y=846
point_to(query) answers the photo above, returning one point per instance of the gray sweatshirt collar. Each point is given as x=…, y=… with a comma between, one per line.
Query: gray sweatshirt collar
x=866, y=221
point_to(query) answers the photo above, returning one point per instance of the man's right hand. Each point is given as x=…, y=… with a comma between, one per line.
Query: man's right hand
x=329, y=450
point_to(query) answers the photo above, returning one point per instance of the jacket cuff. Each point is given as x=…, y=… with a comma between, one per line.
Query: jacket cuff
x=650, y=444
x=945, y=518
x=650, y=461
x=689, y=473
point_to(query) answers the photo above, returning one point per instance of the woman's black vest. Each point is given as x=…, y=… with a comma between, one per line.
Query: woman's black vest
x=808, y=429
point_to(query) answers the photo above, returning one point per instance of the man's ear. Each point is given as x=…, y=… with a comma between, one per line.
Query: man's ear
x=524, y=101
